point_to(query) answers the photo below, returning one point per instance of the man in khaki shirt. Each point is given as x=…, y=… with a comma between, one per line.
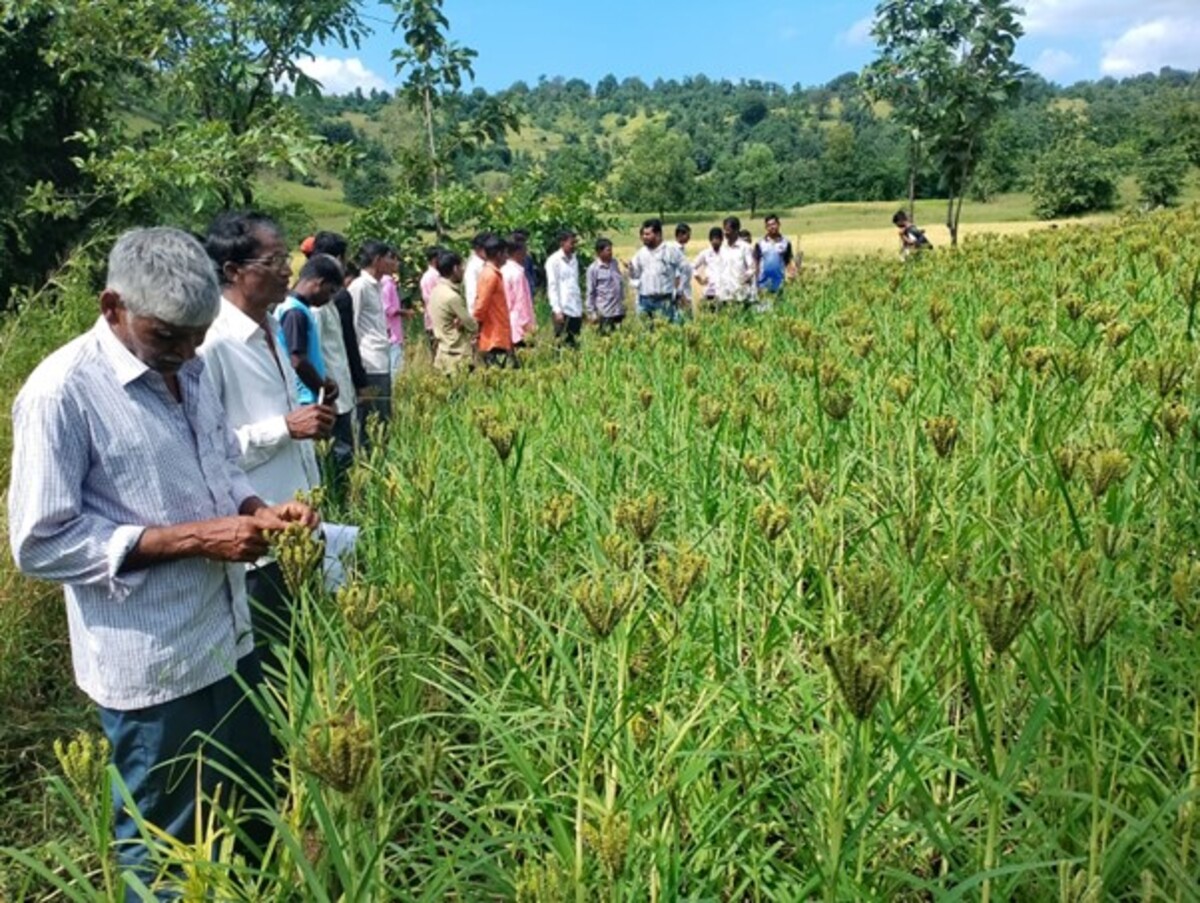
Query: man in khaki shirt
x=453, y=326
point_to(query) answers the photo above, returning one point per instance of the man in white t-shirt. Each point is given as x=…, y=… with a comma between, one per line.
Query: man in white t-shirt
x=683, y=234
x=370, y=322
x=563, y=291
x=475, y=264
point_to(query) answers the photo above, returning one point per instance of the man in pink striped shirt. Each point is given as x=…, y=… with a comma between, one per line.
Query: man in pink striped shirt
x=429, y=280
x=393, y=312
x=516, y=292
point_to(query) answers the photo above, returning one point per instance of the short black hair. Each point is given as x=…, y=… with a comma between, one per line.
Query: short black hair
x=331, y=243
x=746, y=234
x=682, y=229
x=432, y=253
x=732, y=222
x=654, y=224
x=900, y=217
x=446, y=263
x=523, y=234
x=565, y=234
x=372, y=250
x=771, y=216
x=516, y=243
x=233, y=237
x=494, y=246
x=481, y=239
x=324, y=268
x=602, y=243
x=716, y=232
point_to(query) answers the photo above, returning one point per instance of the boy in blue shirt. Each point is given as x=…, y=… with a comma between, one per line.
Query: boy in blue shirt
x=320, y=277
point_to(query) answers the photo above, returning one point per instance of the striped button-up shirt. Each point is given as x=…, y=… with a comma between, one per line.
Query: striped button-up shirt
x=102, y=451
x=605, y=289
x=658, y=272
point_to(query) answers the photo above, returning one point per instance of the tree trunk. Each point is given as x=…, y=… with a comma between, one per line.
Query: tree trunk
x=914, y=156
x=439, y=230
x=952, y=221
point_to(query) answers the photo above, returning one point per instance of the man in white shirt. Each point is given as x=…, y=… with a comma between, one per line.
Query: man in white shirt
x=343, y=362
x=475, y=264
x=706, y=266
x=246, y=362
x=683, y=234
x=737, y=268
x=658, y=270
x=370, y=323
x=562, y=290
x=127, y=490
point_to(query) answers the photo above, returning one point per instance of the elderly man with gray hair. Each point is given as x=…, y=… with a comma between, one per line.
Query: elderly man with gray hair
x=127, y=488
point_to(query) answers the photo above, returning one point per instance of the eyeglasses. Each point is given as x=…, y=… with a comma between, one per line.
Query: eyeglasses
x=275, y=261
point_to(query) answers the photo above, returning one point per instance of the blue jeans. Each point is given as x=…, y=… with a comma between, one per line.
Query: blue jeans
x=649, y=305
x=157, y=751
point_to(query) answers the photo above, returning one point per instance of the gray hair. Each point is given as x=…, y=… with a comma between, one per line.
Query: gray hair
x=164, y=273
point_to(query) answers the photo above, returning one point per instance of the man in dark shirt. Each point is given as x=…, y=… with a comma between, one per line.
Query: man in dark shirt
x=319, y=278
x=350, y=364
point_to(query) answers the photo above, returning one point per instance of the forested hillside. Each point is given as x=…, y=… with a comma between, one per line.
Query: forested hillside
x=701, y=144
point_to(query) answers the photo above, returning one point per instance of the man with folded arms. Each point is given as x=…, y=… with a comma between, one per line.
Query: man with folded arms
x=127, y=489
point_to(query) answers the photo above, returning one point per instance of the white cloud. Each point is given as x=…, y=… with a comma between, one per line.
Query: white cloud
x=1053, y=63
x=341, y=76
x=1148, y=46
x=1047, y=17
x=858, y=34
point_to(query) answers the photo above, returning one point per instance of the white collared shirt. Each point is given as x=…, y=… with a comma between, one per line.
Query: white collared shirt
x=736, y=280
x=562, y=284
x=101, y=451
x=258, y=390
x=371, y=324
x=333, y=349
x=686, y=272
x=471, y=276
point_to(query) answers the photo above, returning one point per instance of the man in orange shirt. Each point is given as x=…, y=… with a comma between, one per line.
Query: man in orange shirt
x=491, y=308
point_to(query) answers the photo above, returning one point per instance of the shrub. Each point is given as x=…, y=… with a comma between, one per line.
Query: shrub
x=1160, y=176
x=1074, y=176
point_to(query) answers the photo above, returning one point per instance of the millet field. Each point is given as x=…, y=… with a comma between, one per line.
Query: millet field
x=891, y=592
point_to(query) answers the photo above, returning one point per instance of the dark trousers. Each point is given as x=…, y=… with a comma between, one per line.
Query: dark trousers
x=216, y=732
x=500, y=357
x=609, y=325
x=380, y=402
x=272, y=611
x=342, y=449
x=568, y=330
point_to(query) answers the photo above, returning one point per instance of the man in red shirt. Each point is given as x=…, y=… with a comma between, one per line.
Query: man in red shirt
x=491, y=308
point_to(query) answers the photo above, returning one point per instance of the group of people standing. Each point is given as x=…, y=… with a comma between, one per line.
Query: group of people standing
x=486, y=304
x=157, y=455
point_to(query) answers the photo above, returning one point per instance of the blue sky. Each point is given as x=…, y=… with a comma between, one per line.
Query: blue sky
x=805, y=41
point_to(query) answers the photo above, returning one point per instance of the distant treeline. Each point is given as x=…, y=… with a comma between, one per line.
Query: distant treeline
x=706, y=144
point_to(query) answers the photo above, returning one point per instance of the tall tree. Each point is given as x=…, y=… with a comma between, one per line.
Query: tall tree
x=947, y=69
x=434, y=68
x=757, y=175
x=657, y=171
